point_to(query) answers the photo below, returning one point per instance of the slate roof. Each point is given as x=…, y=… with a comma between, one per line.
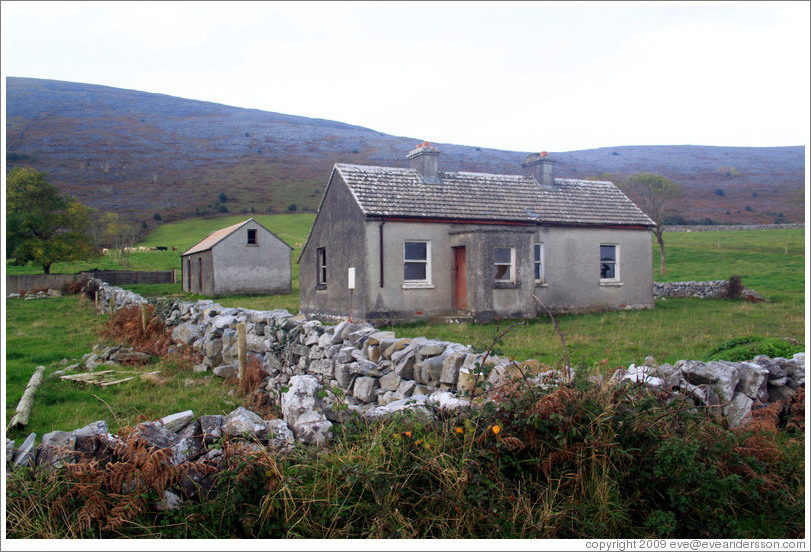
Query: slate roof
x=218, y=235
x=397, y=192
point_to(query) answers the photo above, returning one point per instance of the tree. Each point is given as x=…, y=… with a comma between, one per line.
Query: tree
x=44, y=226
x=654, y=194
x=111, y=231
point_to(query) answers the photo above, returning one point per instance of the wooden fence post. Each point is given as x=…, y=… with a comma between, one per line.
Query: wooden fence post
x=241, y=346
x=112, y=304
x=143, y=316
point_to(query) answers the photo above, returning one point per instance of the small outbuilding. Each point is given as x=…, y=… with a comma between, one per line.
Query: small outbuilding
x=403, y=244
x=245, y=258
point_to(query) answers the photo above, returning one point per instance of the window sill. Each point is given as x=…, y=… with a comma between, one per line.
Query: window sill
x=506, y=285
x=610, y=284
x=321, y=286
x=418, y=285
x=251, y=245
x=541, y=284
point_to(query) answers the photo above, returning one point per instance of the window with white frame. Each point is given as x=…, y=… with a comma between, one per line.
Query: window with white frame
x=538, y=260
x=417, y=263
x=321, y=261
x=504, y=259
x=609, y=263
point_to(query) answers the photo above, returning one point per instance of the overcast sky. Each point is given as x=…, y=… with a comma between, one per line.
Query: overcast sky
x=518, y=76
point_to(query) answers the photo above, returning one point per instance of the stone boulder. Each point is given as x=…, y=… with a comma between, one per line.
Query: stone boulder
x=302, y=410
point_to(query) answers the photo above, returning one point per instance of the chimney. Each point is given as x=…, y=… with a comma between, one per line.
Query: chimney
x=425, y=159
x=540, y=167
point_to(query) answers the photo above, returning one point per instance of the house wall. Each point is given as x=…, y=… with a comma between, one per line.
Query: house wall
x=394, y=300
x=340, y=229
x=239, y=267
x=572, y=269
x=199, y=261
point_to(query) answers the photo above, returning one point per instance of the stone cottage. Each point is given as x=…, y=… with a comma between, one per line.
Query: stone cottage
x=243, y=258
x=404, y=244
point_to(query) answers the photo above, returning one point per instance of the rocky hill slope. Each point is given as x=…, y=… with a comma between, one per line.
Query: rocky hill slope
x=139, y=154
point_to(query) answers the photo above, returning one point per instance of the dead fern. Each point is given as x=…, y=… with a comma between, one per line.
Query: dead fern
x=110, y=493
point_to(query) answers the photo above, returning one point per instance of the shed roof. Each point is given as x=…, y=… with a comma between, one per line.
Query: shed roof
x=218, y=235
x=466, y=196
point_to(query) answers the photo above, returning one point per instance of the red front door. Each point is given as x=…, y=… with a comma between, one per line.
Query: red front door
x=459, y=279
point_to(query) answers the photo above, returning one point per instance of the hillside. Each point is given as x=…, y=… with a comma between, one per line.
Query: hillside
x=139, y=153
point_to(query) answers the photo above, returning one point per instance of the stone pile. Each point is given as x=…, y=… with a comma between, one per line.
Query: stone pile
x=38, y=295
x=115, y=356
x=714, y=289
x=183, y=436
x=733, y=388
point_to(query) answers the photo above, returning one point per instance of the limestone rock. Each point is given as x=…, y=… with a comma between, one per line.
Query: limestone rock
x=26, y=455
x=176, y=422
x=365, y=389
x=244, y=423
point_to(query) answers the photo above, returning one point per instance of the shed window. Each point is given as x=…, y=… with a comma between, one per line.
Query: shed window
x=417, y=262
x=609, y=268
x=539, y=263
x=251, y=237
x=321, y=261
x=505, y=264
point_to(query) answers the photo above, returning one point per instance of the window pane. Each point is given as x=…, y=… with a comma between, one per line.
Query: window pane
x=537, y=252
x=608, y=253
x=415, y=271
x=537, y=271
x=503, y=255
x=416, y=251
x=503, y=272
x=607, y=271
x=251, y=236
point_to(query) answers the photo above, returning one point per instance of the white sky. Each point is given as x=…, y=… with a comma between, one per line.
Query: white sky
x=524, y=76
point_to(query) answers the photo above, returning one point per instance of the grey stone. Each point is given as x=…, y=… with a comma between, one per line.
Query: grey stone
x=183, y=450
x=243, y=422
x=723, y=377
x=155, y=435
x=365, y=389
x=176, y=422
x=738, y=410
x=390, y=382
x=782, y=393
x=776, y=371
x=26, y=454
x=406, y=388
x=10, y=448
x=343, y=374
x=187, y=333
x=56, y=448
x=450, y=367
x=431, y=349
x=404, y=362
x=312, y=428
x=280, y=436
x=91, y=436
x=211, y=428
x=226, y=371
x=324, y=367
x=365, y=368
x=302, y=410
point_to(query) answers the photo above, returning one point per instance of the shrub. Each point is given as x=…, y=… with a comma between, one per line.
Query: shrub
x=748, y=347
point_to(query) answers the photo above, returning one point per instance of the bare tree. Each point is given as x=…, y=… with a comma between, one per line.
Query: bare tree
x=654, y=194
